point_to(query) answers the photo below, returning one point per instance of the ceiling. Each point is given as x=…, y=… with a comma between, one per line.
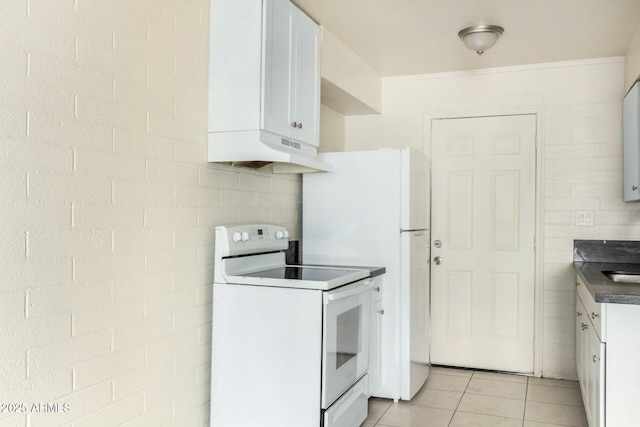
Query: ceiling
x=403, y=37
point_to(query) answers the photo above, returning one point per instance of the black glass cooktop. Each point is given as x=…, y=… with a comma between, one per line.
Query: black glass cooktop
x=302, y=273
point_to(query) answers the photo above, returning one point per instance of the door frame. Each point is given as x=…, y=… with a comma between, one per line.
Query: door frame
x=538, y=111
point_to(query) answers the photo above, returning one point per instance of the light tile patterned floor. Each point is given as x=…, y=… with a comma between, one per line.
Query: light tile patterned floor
x=464, y=398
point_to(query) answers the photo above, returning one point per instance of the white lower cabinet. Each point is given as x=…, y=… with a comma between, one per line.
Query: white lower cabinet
x=375, y=336
x=590, y=364
x=597, y=362
x=590, y=357
x=608, y=360
x=581, y=343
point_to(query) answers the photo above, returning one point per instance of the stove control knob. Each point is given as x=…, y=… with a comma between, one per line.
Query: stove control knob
x=279, y=235
x=245, y=236
x=236, y=237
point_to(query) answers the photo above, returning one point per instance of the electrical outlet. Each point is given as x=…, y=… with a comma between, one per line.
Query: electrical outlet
x=584, y=218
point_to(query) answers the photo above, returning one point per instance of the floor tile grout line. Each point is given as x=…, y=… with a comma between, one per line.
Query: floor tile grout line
x=382, y=415
x=375, y=423
x=526, y=395
x=461, y=397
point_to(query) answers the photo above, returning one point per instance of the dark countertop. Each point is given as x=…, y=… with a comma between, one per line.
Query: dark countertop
x=604, y=290
x=373, y=271
x=376, y=271
x=592, y=257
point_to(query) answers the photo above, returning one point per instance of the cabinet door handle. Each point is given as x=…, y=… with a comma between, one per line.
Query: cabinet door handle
x=300, y=125
x=377, y=289
x=294, y=124
x=579, y=314
x=594, y=315
x=584, y=326
x=634, y=187
x=381, y=312
x=595, y=359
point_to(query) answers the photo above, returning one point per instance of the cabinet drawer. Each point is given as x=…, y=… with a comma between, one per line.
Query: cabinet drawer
x=596, y=312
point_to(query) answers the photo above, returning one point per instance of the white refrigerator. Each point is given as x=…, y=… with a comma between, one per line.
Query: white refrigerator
x=373, y=210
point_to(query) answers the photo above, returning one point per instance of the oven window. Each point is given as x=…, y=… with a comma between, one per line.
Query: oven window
x=348, y=336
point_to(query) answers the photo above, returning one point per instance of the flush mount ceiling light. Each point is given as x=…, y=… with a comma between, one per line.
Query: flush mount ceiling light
x=480, y=37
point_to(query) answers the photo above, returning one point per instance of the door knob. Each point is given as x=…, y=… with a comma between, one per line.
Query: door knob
x=437, y=260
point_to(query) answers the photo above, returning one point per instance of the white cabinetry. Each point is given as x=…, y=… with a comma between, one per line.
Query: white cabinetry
x=590, y=359
x=631, y=143
x=264, y=70
x=581, y=342
x=375, y=336
x=595, y=363
x=607, y=355
x=291, y=73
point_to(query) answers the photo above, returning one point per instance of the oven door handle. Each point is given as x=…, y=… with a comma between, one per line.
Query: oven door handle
x=349, y=290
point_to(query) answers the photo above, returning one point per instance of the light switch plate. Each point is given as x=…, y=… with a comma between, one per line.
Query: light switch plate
x=584, y=218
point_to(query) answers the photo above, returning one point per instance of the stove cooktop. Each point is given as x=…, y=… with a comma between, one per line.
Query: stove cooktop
x=303, y=277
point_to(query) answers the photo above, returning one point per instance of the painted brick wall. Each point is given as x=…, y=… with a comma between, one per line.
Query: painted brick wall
x=108, y=208
x=582, y=159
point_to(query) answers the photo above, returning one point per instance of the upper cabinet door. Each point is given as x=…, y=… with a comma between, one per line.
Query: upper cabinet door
x=291, y=90
x=265, y=70
x=307, y=99
x=278, y=84
x=631, y=142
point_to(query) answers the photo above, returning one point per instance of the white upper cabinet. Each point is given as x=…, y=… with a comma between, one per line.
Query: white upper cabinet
x=307, y=82
x=291, y=99
x=631, y=143
x=279, y=92
x=264, y=69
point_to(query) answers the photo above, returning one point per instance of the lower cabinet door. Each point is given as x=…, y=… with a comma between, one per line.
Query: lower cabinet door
x=351, y=409
x=593, y=366
x=590, y=365
x=581, y=338
x=597, y=360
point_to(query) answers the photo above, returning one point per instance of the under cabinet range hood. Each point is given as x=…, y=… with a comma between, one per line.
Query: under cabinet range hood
x=258, y=148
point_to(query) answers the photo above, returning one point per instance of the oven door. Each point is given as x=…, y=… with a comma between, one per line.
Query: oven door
x=345, y=341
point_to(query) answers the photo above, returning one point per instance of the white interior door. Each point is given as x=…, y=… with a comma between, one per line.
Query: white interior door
x=483, y=213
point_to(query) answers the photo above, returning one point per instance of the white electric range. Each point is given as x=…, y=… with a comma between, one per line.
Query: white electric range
x=290, y=344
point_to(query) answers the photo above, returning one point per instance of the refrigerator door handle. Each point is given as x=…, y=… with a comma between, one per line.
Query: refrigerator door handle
x=417, y=231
